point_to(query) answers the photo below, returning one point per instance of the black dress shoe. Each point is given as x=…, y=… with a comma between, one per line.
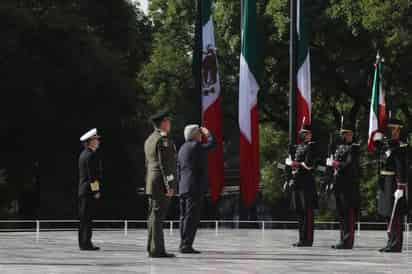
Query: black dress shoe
x=301, y=244
x=340, y=246
x=189, y=250
x=161, y=255
x=390, y=250
x=90, y=248
x=383, y=249
x=337, y=245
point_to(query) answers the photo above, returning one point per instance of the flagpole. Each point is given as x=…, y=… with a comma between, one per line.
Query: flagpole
x=241, y=14
x=293, y=72
x=378, y=68
x=378, y=149
x=199, y=51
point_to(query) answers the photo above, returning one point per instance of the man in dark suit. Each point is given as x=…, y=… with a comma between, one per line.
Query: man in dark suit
x=193, y=182
x=89, y=187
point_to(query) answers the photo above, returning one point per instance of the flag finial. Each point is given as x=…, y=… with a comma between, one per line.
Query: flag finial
x=379, y=58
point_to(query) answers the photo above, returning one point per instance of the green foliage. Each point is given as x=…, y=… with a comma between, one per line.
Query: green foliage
x=369, y=190
x=167, y=77
x=278, y=10
x=68, y=66
x=345, y=36
x=273, y=148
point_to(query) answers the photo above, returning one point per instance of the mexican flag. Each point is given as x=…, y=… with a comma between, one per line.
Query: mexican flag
x=303, y=95
x=248, y=111
x=377, y=114
x=211, y=99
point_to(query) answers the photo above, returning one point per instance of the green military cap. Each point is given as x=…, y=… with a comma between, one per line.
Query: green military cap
x=346, y=127
x=158, y=117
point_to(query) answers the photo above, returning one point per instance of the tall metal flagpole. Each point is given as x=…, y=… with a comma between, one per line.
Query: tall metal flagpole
x=292, y=72
x=198, y=64
x=241, y=14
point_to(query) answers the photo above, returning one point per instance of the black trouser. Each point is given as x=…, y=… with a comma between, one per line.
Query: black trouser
x=347, y=227
x=386, y=204
x=306, y=223
x=395, y=232
x=158, y=208
x=86, y=204
x=190, y=207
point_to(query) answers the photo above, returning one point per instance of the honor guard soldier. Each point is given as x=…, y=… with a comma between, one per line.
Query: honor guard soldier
x=161, y=157
x=345, y=163
x=392, y=202
x=304, y=195
x=89, y=187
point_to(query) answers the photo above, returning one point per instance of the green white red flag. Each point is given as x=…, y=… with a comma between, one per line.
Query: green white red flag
x=248, y=110
x=377, y=114
x=303, y=96
x=211, y=99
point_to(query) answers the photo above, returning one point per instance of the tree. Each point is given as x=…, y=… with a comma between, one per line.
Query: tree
x=69, y=66
x=345, y=37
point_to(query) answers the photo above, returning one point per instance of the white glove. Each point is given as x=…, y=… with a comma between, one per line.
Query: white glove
x=288, y=161
x=398, y=194
x=388, y=153
x=378, y=136
x=329, y=161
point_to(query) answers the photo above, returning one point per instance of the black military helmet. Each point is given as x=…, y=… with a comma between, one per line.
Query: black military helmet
x=346, y=126
x=157, y=118
x=393, y=122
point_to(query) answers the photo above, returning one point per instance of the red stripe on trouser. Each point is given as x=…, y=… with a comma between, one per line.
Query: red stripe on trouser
x=398, y=231
x=395, y=231
x=309, y=217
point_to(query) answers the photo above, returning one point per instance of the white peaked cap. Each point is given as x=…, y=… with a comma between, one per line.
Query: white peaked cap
x=190, y=130
x=90, y=134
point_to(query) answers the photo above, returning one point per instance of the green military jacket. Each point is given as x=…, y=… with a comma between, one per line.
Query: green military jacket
x=161, y=157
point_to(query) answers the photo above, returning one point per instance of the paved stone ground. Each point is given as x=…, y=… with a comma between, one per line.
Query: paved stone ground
x=229, y=251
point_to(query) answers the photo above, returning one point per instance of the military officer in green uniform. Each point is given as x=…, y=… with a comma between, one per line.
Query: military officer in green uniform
x=160, y=153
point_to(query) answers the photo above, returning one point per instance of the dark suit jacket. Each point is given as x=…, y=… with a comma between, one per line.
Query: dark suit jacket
x=192, y=167
x=89, y=171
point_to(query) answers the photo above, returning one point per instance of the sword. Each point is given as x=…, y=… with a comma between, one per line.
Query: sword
x=395, y=204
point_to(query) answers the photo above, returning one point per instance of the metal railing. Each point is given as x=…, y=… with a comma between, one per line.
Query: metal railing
x=215, y=224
